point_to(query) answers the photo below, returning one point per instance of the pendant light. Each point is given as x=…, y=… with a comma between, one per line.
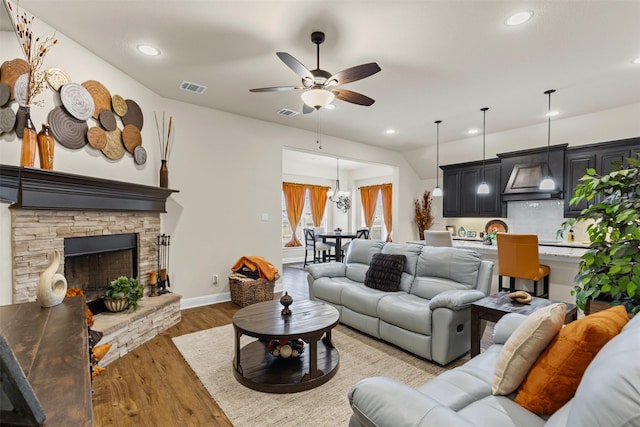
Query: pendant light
x=483, y=188
x=548, y=183
x=437, y=192
x=342, y=202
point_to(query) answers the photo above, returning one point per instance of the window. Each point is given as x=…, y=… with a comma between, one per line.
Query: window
x=378, y=230
x=306, y=221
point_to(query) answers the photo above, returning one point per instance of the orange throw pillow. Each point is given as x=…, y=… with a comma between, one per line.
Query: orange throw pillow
x=555, y=376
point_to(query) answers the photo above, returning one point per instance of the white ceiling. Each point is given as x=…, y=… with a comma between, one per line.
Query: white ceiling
x=440, y=59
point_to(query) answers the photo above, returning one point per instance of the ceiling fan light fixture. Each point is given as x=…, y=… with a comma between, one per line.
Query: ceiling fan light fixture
x=317, y=98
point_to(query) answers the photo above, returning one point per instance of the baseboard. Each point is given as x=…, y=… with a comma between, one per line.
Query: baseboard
x=194, y=302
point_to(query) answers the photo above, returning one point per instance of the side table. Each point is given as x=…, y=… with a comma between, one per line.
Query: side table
x=493, y=307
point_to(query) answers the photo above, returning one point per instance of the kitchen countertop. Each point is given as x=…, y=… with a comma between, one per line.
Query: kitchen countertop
x=559, y=251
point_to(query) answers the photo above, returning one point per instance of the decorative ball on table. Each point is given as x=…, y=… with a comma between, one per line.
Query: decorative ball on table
x=286, y=301
x=286, y=349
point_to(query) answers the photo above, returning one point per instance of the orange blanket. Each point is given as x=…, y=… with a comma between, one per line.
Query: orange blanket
x=265, y=268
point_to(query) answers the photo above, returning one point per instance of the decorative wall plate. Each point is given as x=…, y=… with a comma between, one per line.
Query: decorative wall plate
x=131, y=138
x=462, y=232
x=66, y=129
x=97, y=138
x=100, y=94
x=497, y=226
x=5, y=94
x=107, y=120
x=119, y=105
x=7, y=120
x=140, y=155
x=21, y=121
x=77, y=100
x=114, y=149
x=20, y=89
x=56, y=77
x=11, y=70
x=134, y=115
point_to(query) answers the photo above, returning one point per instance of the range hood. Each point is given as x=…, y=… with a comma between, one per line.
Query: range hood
x=522, y=172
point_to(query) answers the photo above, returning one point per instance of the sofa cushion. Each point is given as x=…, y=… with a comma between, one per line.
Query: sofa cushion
x=362, y=299
x=359, y=256
x=385, y=271
x=556, y=374
x=439, y=269
x=406, y=311
x=493, y=411
x=608, y=394
x=330, y=288
x=525, y=345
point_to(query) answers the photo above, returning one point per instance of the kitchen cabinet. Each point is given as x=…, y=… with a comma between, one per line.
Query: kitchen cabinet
x=597, y=156
x=460, y=198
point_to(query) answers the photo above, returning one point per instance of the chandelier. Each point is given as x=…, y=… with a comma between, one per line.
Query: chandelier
x=338, y=197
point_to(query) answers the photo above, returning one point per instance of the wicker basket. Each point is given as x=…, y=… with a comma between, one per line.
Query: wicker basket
x=246, y=291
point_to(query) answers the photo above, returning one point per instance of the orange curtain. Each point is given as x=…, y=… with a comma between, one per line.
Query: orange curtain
x=294, y=196
x=318, y=198
x=369, y=197
x=386, y=208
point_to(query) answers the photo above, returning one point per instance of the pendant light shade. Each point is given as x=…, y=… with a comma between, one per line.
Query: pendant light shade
x=548, y=183
x=483, y=188
x=437, y=192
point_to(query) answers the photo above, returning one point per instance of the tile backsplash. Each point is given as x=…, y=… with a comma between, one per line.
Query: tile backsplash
x=541, y=217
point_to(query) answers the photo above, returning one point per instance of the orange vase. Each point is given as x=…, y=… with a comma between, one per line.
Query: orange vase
x=46, y=144
x=29, y=142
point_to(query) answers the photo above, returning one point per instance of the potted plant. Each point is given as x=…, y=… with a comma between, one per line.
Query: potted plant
x=610, y=269
x=123, y=292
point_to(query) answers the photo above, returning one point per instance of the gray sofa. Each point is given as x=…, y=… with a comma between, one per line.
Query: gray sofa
x=608, y=394
x=428, y=315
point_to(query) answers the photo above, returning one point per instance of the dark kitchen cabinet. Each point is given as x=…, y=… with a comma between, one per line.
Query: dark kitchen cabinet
x=460, y=198
x=597, y=156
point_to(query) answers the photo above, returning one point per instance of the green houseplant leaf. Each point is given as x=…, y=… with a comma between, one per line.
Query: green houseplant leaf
x=611, y=266
x=125, y=288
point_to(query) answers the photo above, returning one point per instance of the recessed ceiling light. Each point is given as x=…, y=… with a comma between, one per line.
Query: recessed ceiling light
x=636, y=61
x=390, y=131
x=518, y=18
x=472, y=131
x=329, y=107
x=148, y=50
x=552, y=114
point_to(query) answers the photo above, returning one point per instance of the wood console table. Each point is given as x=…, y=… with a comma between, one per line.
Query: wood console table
x=51, y=345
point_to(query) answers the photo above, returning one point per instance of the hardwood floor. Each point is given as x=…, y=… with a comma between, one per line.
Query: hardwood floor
x=153, y=385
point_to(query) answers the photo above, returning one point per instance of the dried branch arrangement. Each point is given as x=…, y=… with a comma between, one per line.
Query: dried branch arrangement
x=165, y=136
x=34, y=50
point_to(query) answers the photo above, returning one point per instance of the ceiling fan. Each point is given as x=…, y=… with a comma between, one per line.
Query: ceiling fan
x=320, y=86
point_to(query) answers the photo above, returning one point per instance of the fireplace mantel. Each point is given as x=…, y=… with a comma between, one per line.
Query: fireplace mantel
x=41, y=189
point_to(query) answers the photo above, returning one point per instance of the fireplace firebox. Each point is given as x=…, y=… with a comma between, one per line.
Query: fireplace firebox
x=92, y=262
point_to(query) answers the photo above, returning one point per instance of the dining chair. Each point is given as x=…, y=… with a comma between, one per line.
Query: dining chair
x=320, y=250
x=437, y=238
x=518, y=258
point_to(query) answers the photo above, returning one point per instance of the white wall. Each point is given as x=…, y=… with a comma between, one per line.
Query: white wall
x=227, y=168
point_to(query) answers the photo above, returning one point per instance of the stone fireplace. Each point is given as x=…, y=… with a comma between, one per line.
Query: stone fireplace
x=103, y=229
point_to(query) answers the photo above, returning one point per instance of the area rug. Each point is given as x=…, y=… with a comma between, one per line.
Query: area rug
x=210, y=355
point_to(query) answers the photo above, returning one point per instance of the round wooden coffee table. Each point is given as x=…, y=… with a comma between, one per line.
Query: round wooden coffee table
x=255, y=367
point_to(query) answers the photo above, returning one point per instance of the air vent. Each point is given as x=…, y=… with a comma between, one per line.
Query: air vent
x=192, y=87
x=287, y=112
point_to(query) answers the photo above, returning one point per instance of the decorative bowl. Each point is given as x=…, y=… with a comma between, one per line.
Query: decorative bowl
x=286, y=349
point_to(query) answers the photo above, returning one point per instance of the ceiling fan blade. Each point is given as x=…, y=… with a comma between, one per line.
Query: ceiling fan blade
x=295, y=65
x=353, y=97
x=352, y=74
x=276, y=89
x=306, y=109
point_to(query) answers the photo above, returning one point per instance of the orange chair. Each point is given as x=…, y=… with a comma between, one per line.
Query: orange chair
x=518, y=259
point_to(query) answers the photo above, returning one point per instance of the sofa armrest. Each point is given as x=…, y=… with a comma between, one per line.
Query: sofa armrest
x=506, y=326
x=327, y=269
x=455, y=299
x=379, y=401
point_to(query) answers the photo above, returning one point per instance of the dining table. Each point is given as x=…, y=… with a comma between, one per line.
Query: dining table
x=336, y=236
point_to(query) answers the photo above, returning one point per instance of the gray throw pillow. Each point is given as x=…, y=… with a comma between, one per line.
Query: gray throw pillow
x=385, y=272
